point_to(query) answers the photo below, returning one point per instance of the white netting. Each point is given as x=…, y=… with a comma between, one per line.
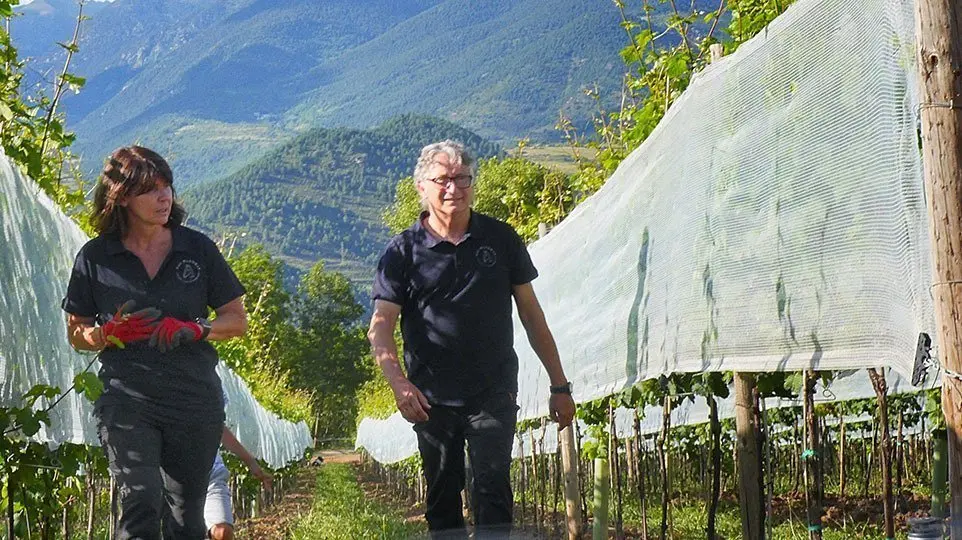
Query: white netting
x=36, y=256
x=773, y=221
x=260, y=431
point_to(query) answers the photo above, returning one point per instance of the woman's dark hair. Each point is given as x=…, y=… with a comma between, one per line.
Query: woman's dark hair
x=130, y=171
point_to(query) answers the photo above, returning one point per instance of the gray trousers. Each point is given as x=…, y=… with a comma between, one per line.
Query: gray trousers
x=161, y=470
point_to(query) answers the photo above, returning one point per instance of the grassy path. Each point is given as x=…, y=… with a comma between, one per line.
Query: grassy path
x=341, y=510
x=329, y=503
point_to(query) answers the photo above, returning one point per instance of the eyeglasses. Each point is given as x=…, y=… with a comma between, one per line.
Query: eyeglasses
x=461, y=180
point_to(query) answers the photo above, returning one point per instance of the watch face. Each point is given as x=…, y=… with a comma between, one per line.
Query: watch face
x=205, y=325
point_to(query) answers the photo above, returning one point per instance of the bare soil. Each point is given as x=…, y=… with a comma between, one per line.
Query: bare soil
x=278, y=519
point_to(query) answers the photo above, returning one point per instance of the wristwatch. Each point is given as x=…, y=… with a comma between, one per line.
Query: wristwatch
x=563, y=389
x=205, y=326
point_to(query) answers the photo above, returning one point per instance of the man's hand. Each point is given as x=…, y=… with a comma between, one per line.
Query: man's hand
x=125, y=327
x=561, y=408
x=411, y=402
x=266, y=479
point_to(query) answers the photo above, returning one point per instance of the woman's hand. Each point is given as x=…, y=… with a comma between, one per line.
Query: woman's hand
x=124, y=327
x=171, y=333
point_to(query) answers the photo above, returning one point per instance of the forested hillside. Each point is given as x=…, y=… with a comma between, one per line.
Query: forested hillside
x=321, y=195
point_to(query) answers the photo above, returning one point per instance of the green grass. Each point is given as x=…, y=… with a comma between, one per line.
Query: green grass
x=689, y=519
x=556, y=156
x=342, y=511
x=855, y=519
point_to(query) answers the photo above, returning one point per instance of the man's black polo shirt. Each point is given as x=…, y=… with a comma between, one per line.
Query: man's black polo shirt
x=180, y=385
x=456, y=307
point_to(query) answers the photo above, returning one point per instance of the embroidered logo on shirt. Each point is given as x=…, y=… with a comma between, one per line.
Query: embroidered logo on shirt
x=486, y=256
x=188, y=271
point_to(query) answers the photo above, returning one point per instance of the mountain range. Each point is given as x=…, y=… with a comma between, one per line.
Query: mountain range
x=215, y=84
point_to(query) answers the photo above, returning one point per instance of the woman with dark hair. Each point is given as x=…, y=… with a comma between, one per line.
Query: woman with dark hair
x=161, y=414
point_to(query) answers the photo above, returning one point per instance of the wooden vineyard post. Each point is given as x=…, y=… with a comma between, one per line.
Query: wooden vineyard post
x=885, y=441
x=749, y=458
x=715, y=466
x=641, y=474
x=615, y=465
x=91, y=485
x=536, y=513
x=812, y=460
x=841, y=455
x=569, y=464
x=899, y=464
x=747, y=452
x=583, y=467
x=663, y=449
x=939, y=41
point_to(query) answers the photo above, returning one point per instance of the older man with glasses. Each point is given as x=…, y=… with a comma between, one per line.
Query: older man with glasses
x=451, y=278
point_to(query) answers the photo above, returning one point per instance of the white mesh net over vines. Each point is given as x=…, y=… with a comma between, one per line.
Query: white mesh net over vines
x=773, y=221
x=36, y=255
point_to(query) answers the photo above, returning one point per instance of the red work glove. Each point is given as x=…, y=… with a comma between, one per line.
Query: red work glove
x=124, y=327
x=170, y=333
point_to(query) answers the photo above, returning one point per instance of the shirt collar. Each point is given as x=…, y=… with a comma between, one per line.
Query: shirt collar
x=424, y=236
x=115, y=246
x=474, y=226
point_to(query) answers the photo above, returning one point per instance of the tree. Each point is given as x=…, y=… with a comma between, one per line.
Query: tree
x=259, y=355
x=522, y=193
x=660, y=57
x=325, y=300
x=512, y=189
x=331, y=359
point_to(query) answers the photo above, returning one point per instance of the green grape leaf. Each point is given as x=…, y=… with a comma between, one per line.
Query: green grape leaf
x=28, y=422
x=89, y=385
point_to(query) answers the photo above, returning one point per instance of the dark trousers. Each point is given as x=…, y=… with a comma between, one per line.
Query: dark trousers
x=161, y=470
x=488, y=428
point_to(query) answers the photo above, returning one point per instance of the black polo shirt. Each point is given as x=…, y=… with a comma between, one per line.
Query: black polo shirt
x=180, y=385
x=456, y=307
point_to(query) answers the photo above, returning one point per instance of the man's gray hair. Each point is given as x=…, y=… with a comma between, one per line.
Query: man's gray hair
x=457, y=154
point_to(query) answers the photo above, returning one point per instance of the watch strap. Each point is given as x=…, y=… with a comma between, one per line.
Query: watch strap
x=205, y=327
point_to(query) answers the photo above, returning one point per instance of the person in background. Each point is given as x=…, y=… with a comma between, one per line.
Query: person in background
x=161, y=415
x=451, y=278
x=218, y=510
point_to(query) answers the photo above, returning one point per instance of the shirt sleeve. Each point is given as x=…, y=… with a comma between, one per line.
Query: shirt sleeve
x=389, y=281
x=223, y=285
x=523, y=270
x=79, y=299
